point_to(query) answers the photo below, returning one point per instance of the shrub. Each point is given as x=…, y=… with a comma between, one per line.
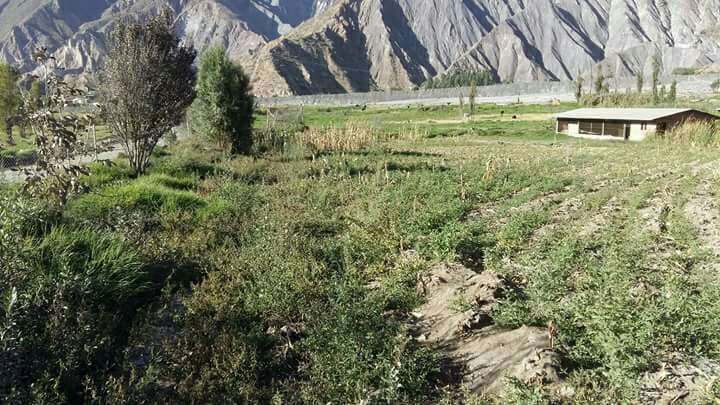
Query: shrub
x=108, y=271
x=152, y=194
x=349, y=138
x=685, y=71
x=223, y=109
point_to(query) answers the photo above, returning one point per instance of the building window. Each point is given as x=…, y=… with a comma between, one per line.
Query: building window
x=590, y=128
x=563, y=126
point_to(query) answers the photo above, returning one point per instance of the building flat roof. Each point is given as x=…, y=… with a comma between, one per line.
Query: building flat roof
x=622, y=114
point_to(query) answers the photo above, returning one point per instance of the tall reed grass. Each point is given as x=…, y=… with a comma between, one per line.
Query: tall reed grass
x=351, y=137
x=693, y=133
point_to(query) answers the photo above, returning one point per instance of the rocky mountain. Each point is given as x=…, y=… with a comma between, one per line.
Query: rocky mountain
x=330, y=46
x=76, y=29
x=359, y=45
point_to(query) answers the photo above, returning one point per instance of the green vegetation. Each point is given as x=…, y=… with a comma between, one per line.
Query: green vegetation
x=686, y=71
x=285, y=277
x=146, y=62
x=10, y=101
x=461, y=78
x=223, y=109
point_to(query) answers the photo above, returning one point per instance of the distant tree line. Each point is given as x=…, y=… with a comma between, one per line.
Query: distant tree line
x=461, y=78
x=600, y=93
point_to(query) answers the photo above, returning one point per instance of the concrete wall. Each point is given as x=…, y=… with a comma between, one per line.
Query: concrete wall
x=452, y=95
x=689, y=86
x=637, y=133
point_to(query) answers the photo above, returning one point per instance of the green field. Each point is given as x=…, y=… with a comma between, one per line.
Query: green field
x=292, y=276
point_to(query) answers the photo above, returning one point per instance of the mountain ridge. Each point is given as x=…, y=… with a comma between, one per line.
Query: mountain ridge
x=335, y=46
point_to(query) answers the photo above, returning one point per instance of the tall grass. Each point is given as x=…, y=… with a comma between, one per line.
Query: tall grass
x=350, y=137
x=100, y=265
x=693, y=133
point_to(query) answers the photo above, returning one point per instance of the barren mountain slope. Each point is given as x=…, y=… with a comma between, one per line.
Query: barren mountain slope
x=623, y=36
x=75, y=29
x=361, y=45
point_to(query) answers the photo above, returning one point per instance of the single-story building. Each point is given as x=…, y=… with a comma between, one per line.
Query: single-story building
x=624, y=123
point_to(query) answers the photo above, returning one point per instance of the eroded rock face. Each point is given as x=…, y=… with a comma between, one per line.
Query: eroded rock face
x=400, y=43
x=456, y=321
x=76, y=29
x=334, y=46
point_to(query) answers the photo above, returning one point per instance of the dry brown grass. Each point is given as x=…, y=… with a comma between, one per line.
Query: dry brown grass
x=350, y=137
x=693, y=133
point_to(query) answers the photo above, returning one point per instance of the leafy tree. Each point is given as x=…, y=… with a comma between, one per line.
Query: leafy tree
x=672, y=94
x=656, y=79
x=579, y=84
x=36, y=95
x=640, y=82
x=10, y=100
x=600, y=86
x=56, y=131
x=461, y=104
x=147, y=84
x=715, y=86
x=223, y=109
x=472, y=93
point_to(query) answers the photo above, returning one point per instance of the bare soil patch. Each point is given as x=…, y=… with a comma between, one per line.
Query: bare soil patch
x=456, y=320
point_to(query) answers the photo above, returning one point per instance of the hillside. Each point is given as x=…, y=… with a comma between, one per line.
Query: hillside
x=75, y=29
x=361, y=45
x=336, y=46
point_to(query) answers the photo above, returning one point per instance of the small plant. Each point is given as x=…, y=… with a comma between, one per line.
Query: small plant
x=56, y=174
x=694, y=133
x=715, y=86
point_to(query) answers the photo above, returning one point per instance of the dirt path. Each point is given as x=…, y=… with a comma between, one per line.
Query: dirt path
x=702, y=211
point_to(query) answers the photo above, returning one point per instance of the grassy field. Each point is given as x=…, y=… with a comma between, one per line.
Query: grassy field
x=292, y=277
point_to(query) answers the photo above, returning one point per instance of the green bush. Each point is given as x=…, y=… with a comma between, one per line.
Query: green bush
x=685, y=71
x=110, y=273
